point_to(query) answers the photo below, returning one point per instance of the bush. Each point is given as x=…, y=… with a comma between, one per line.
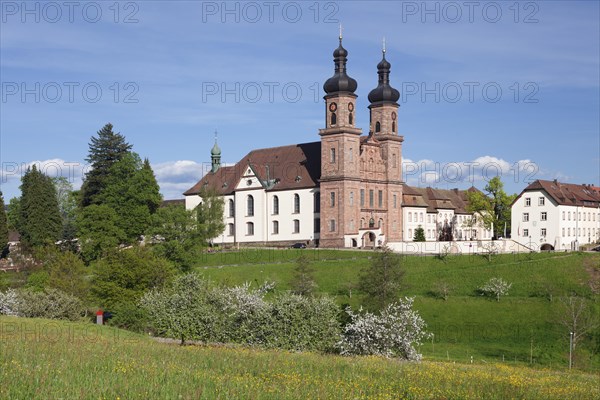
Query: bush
x=129, y=316
x=48, y=303
x=495, y=287
x=125, y=275
x=9, y=302
x=190, y=309
x=393, y=333
x=303, y=323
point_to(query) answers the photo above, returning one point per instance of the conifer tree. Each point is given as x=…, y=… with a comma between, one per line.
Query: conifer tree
x=210, y=214
x=104, y=151
x=419, y=234
x=382, y=280
x=3, y=227
x=40, y=222
x=303, y=283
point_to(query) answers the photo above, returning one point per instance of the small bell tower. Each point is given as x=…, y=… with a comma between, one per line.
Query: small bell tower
x=215, y=156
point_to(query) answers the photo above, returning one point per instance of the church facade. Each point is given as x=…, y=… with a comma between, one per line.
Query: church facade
x=344, y=190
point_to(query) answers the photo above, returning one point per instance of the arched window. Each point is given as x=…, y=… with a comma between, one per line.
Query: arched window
x=231, y=229
x=377, y=127
x=296, y=203
x=250, y=205
x=275, y=205
x=296, y=226
x=333, y=119
x=275, y=227
x=409, y=216
x=231, y=208
x=380, y=223
x=394, y=126
x=332, y=155
x=250, y=228
x=350, y=119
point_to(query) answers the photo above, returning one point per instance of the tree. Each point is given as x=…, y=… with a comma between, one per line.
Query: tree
x=442, y=290
x=493, y=208
x=13, y=214
x=40, y=222
x=395, y=332
x=104, y=151
x=210, y=215
x=123, y=276
x=577, y=315
x=131, y=190
x=419, y=234
x=496, y=287
x=173, y=234
x=65, y=271
x=67, y=204
x=99, y=231
x=382, y=280
x=303, y=282
x=3, y=227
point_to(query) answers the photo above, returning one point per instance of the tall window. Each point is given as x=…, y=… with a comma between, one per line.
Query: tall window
x=332, y=199
x=296, y=226
x=409, y=216
x=350, y=154
x=296, y=203
x=332, y=155
x=563, y=232
x=333, y=119
x=332, y=225
x=544, y=215
x=526, y=232
x=231, y=208
x=250, y=228
x=543, y=232
x=563, y=213
x=275, y=205
x=371, y=195
x=362, y=197
x=351, y=198
x=377, y=127
x=527, y=201
x=250, y=206
x=394, y=126
x=350, y=119
x=395, y=202
x=231, y=229
x=380, y=198
x=275, y=227
x=541, y=201
x=525, y=217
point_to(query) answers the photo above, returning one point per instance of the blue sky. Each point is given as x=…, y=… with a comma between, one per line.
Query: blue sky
x=486, y=87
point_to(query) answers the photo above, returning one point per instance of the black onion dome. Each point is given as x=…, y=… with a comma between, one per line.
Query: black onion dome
x=384, y=92
x=340, y=81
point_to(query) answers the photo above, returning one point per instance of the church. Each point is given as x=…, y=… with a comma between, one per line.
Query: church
x=345, y=190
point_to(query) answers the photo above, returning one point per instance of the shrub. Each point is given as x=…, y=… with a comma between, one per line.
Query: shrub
x=393, y=333
x=9, y=302
x=303, y=323
x=48, y=303
x=495, y=287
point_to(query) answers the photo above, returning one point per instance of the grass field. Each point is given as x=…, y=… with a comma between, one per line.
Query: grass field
x=520, y=329
x=42, y=359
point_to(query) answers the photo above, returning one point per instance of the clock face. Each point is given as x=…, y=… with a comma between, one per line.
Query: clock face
x=332, y=107
x=393, y=116
x=350, y=106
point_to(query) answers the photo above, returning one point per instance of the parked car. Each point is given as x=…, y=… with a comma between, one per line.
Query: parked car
x=298, y=245
x=596, y=248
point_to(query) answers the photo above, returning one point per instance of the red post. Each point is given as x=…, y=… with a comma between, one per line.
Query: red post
x=100, y=317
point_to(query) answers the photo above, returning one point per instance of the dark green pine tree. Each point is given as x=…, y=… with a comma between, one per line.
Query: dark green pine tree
x=132, y=191
x=419, y=234
x=40, y=222
x=3, y=227
x=381, y=281
x=105, y=150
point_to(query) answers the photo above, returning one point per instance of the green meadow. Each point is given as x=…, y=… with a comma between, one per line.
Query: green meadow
x=522, y=328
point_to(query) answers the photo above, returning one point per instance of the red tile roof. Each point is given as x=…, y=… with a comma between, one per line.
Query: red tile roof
x=434, y=199
x=290, y=167
x=567, y=194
